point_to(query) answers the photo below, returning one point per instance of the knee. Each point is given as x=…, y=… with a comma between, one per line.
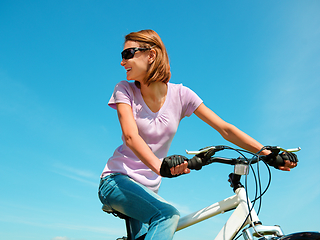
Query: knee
x=174, y=212
x=169, y=211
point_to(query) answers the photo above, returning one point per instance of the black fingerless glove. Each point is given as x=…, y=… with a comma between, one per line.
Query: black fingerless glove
x=169, y=162
x=276, y=160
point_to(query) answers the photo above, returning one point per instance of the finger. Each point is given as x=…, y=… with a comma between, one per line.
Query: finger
x=289, y=164
x=182, y=167
x=185, y=167
x=179, y=169
x=175, y=170
x=172, y=171
x=283, y=168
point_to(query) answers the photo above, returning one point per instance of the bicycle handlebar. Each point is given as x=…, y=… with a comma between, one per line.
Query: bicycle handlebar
x=222, y=147
x=205, y=156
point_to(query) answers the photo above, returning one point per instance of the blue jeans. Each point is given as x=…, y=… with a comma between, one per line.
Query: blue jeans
x=148, y=212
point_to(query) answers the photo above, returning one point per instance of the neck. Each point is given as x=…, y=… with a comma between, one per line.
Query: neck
x=154, y=95
x=155, y=91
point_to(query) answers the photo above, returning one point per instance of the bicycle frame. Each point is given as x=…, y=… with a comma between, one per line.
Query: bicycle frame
x=238, y=220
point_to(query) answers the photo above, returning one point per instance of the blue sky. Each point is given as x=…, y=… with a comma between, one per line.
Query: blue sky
x=255, y=63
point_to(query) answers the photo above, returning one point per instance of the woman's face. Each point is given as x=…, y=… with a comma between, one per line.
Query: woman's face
x=137, y=66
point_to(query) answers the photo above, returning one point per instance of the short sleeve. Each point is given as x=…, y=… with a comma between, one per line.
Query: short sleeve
x=190, y=101
x=122, y=93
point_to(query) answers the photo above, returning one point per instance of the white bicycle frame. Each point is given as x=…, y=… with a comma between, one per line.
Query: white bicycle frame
x=238, y=220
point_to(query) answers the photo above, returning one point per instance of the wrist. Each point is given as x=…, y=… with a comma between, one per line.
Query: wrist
x=265, y=152
x=157, y=166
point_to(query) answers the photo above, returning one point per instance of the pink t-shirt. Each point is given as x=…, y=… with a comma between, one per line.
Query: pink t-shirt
x=157, y=129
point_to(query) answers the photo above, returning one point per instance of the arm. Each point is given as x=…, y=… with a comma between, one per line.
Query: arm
x=133, y=140
x=228, y=131
x=233, y=134
x=139, y=147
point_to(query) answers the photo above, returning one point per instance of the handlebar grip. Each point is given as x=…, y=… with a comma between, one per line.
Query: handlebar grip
x=278, y=161
x=195, y=163
x=274, y=160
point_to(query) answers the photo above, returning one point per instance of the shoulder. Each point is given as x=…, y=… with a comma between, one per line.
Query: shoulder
x=125, y=85
x=177, y=87
x=180, y=89
x=123, y=93
x=126, y=88
x=188, y=99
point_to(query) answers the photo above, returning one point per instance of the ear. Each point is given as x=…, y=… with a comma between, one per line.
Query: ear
x=152, y=55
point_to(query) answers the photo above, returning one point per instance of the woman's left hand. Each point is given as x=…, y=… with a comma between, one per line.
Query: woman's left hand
x=288, y=165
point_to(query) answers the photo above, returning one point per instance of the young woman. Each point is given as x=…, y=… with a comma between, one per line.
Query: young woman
x=149, y=110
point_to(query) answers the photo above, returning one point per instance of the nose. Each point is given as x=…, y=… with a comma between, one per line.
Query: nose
x=123, y=62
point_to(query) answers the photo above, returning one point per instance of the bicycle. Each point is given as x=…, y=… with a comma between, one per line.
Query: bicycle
x=244, y=216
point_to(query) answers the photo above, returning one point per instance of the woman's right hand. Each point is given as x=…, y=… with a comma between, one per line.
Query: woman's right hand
x=180, y=169
x=174, y=166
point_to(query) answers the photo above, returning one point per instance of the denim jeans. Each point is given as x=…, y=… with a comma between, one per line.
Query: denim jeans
x=148, y=212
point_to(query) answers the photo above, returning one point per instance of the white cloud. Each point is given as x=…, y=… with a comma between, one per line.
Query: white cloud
x=183, y=209
x=60, y=238
x=78, y=172
x=80, y=175
x=114, y=231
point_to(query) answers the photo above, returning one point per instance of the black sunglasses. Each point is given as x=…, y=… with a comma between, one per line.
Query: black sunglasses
x=129, y=52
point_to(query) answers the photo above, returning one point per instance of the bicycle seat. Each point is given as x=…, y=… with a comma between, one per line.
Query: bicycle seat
x=115, y=213
x=107, y=209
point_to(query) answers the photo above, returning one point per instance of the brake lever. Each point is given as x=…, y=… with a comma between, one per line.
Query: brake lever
x=291, y=149
x=203, y=150
x=206, y=149
x=282, y=149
